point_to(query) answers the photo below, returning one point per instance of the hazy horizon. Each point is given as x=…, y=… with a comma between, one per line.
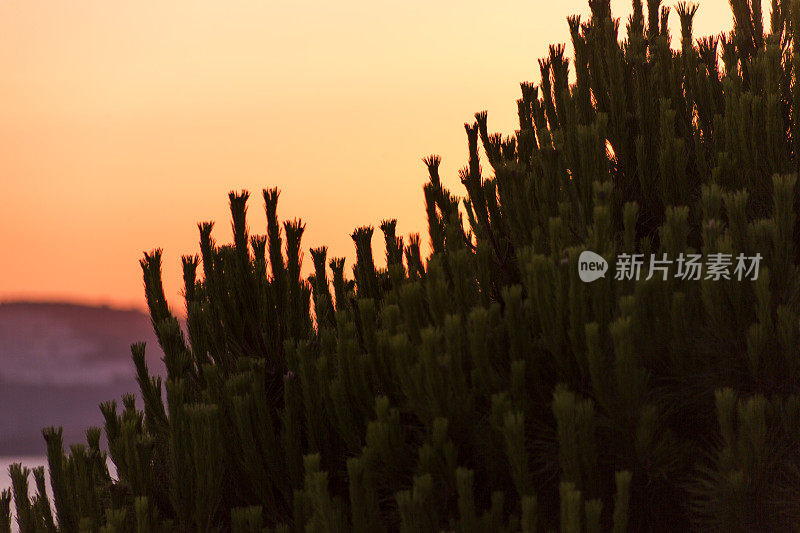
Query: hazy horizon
x=58, y=362
x=126, y=124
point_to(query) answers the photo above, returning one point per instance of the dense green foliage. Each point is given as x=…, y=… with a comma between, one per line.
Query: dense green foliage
x=487, y=388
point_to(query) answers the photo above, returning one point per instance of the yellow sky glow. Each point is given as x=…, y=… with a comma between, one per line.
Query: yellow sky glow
x=123, y=124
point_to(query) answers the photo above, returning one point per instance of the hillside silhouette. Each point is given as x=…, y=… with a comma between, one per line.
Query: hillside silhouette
x=58, y=361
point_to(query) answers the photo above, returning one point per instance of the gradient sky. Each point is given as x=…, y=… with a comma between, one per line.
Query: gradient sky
x=123, y=124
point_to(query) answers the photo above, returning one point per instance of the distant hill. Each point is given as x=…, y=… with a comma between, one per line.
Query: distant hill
x=58, y=361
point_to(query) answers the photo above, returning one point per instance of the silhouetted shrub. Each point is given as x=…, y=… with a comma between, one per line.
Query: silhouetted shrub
x=487, y=388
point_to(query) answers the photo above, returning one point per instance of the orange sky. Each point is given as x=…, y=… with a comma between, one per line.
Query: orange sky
x=123, y=124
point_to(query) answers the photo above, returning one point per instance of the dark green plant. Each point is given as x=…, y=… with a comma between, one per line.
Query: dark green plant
x=487, y=388
x=5, y=511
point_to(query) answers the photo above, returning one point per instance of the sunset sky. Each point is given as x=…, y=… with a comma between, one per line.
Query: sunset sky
x=123, y=124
